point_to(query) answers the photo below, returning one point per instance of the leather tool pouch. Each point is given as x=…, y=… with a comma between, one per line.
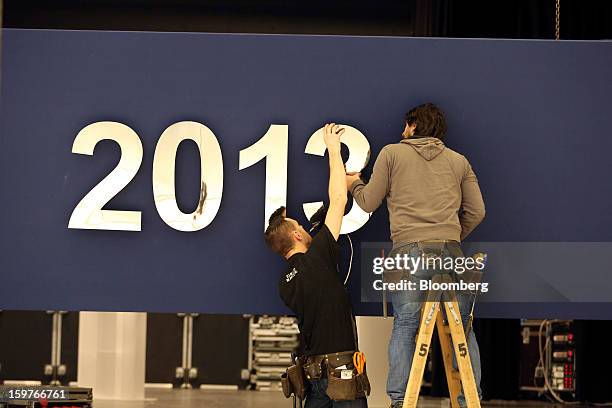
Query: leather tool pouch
x=293, y=381
x=312, y=368
x=286, y=385
x=347, y=389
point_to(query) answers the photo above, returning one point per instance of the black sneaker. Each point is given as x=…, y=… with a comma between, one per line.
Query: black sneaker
x=397, y=404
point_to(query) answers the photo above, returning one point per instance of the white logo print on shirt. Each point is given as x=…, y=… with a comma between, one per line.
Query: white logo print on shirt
x=291, y=275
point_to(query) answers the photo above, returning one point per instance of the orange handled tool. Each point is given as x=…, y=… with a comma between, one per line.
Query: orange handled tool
x=359, y=361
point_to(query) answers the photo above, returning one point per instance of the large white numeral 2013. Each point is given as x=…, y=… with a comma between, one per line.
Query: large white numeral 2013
x=273, y=147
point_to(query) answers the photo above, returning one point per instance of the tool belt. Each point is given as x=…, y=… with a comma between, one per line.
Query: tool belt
x=345, y=381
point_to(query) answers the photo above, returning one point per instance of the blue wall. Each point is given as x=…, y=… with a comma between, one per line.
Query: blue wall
x=533, y=117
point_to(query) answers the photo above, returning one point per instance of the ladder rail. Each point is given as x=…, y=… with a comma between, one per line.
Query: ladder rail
x=462, y=355
x=452, y=375
x=426, y=329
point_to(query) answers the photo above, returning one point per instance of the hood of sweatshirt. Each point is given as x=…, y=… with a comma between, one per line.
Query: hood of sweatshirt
x=428, y=147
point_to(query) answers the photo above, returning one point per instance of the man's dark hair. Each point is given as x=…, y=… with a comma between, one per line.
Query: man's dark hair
x=277, y=234
x=429, y=119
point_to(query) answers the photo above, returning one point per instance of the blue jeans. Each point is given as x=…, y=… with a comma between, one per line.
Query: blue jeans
x=316, y=397
x=407, y=315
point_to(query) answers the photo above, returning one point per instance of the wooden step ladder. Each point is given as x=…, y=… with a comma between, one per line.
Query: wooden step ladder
x=451, y=335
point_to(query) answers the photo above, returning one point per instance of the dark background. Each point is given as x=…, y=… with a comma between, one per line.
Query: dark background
x=580, y=20
x=479, y=19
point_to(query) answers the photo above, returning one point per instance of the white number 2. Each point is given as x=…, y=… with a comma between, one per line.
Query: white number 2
x=88, y=214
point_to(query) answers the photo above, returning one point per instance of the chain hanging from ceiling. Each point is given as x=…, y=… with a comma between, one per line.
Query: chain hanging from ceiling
x=557, y=18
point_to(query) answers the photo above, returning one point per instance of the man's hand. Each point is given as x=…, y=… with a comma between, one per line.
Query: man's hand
x=331, y=136
x=351, y=178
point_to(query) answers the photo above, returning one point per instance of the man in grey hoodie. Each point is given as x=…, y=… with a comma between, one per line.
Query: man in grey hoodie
x=434, y=201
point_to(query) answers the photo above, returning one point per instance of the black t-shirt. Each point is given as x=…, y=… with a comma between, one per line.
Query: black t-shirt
x=312, y=289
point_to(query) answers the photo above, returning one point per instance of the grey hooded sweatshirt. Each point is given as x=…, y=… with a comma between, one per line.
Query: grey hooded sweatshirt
x=425, y=184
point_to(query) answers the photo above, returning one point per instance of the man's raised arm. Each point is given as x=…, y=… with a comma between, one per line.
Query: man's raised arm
x=337, y=182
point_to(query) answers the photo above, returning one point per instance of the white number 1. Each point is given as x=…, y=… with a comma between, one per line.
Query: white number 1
x=273, y=146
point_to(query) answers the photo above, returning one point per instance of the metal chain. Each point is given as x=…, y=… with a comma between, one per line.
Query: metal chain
x=557, y=18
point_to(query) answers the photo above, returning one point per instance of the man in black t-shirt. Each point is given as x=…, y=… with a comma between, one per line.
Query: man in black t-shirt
x=312, y=289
